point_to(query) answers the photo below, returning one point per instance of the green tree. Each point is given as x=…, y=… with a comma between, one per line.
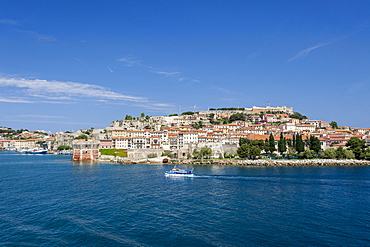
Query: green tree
x=357, y=146
x=339, y=153
x=128, y=117
x=167, y=153
x=272, y=147
x=289, y=142
x=299, y=146
x=314, y=144
x=199, y=125
x=243, y=141
x=267, y=146
x=64, y=147
x=333, y=124
x=225, y=120
x=298, y=115
x=142, y=115
x=248, y=150
x=254, y=151
x=329, y=153
x=348, y=154
x=187, y=113
x=237, y=116
x=366, y=154
x=282, y=144
x=258, y=143
x=83, y=136
x=307, y=154
x=291, y=152
x=204, y=152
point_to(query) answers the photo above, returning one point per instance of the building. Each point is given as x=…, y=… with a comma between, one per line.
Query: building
x=85, y=150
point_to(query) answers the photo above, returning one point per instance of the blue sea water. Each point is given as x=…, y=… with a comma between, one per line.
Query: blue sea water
x=46, y=200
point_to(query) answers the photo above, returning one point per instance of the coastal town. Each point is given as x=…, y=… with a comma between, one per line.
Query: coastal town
x=215, y=133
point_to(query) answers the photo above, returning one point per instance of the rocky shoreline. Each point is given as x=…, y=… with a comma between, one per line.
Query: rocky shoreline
x=260, y=162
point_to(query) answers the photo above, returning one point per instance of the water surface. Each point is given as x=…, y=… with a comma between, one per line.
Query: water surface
x=46, y=200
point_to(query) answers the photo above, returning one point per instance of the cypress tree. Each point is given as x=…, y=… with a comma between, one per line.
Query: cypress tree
x=267, y=146
x=299, y=144
x=272, y=143
x=282, y=144
x=314, y=144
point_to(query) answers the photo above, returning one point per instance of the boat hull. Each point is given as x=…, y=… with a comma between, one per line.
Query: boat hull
x=170, y=174
x=39, y=152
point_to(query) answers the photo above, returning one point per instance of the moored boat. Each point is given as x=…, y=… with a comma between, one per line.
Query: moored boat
x=177, y=172
x=39, y=151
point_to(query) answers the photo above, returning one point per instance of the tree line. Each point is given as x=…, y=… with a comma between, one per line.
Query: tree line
x=299, y=148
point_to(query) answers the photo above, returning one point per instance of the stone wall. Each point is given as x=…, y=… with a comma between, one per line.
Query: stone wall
x=143, y=153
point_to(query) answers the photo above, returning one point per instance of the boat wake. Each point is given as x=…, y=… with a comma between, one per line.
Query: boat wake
x=236, y=177
x=223, y=177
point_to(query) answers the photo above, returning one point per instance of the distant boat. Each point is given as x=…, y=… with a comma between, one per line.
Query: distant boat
x=38, y=151
x=177, y=172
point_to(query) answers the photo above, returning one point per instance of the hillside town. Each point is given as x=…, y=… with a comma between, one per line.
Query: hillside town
x=179, y=136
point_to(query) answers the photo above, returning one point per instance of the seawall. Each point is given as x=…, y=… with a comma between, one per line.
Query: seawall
x=308, y=162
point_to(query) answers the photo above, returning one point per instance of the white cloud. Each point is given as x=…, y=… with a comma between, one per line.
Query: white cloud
x=222, y=90
x=64, y=90
x=38, y=116
x=80, y=61
x=163, y=105
x=160, y=107
x=9, y=22
x=166, y=74
x=129, y=61
x=38, y=36
x=14, y=100
x=304, y=53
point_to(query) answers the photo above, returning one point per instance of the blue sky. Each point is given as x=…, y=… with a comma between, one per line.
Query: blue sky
x=68, y=65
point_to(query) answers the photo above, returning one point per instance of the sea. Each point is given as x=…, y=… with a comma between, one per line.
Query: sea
x=48, y=200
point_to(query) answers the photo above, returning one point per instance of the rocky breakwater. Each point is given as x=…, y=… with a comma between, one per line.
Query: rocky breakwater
x=308, y=162
x=311, y=162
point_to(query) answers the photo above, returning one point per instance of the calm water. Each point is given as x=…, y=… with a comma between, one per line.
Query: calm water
x=47, y=200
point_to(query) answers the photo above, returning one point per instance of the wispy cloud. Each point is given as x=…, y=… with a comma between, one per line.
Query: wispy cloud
x=247, y=61
x=110, y=70
x=15, y=100
x=129, y=61
x=79, y=61
x=166, y=73
x=223, y=90
x=159, y=107
x=47, y=89
x=38, y=36
x=38, y=116
x=304, y=53
x=59, y=102
x=10, y=22
x=52, y=121
x=50, y=97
